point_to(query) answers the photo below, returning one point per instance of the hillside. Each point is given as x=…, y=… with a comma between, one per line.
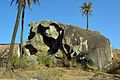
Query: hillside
x=56, y=51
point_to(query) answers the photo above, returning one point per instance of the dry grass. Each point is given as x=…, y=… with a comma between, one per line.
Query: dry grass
x=41, y=72
x=54, y=73
x=115, y=67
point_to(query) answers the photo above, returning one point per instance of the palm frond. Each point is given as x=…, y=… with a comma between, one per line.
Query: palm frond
x=29, y=2
x=90, y=13
x=85, y=3
x=82, y=7
x=86, y=8
x=83, y=12
x=90, y=3
x=17, y=2
x=11, y=2
x=36, y=1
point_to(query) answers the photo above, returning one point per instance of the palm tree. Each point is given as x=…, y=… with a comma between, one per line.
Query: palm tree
x=9, y=63
x=29, y=2
x=8, y=71
x=21, y=6
x=86, y=10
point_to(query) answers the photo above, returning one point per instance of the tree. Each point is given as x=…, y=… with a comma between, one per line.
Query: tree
x=8, y=71
x=25, y=2
x=86, y=10
x=21, y=6
x=9, y=63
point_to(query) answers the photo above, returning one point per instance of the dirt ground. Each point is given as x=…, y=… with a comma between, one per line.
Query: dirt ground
x=62, y=73
x=57, y=73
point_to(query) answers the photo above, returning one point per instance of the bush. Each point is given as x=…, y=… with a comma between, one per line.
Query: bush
x=15, y=60
x=87, y=65
x=24, y=62
x=114, y=68
x=45, y=60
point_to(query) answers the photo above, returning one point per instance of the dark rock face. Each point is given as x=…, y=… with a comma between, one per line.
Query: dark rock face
x=92, y=44
x=73, y=41
x=31, y=49
x=53, y=43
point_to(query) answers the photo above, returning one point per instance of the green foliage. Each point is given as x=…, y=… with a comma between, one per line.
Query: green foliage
x=28, y=62
x=49, y=60
x=86, y=8
x=28, y=2
x=24, y=62
x=15, y=61
x=45, y=60
x=59, y=63
x=87, y=65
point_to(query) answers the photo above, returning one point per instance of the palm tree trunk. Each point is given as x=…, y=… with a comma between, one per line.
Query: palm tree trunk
x=9, y=63
x=87, y=19
x=22, y=31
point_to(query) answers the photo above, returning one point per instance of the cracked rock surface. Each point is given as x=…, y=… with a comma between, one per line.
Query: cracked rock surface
x=50, y=37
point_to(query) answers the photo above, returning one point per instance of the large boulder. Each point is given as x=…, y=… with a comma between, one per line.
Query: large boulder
x=90, y=45
x=74, y=41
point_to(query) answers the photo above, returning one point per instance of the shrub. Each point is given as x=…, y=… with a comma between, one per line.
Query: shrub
x=24, y=62
x=15, y=60
x=114, y=68
x=87, y=65
x=45, y=60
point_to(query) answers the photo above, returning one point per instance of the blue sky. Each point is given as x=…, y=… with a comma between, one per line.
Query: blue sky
x=105, y=17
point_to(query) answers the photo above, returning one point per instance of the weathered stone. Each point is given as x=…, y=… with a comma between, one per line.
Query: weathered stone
x=73, y=41
x=59, y=54
x=92, y=44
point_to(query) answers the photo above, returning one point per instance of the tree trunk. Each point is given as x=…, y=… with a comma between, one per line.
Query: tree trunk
x=87, y=19
x=22, y=31
x=9, y=63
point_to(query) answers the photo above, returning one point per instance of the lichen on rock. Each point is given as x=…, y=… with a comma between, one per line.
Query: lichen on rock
x=74, y=41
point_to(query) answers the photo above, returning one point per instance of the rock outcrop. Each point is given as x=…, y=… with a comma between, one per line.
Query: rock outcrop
x=74, y=42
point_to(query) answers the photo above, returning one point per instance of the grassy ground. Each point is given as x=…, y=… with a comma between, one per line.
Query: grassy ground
x=41, y=72
x=57, y=73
